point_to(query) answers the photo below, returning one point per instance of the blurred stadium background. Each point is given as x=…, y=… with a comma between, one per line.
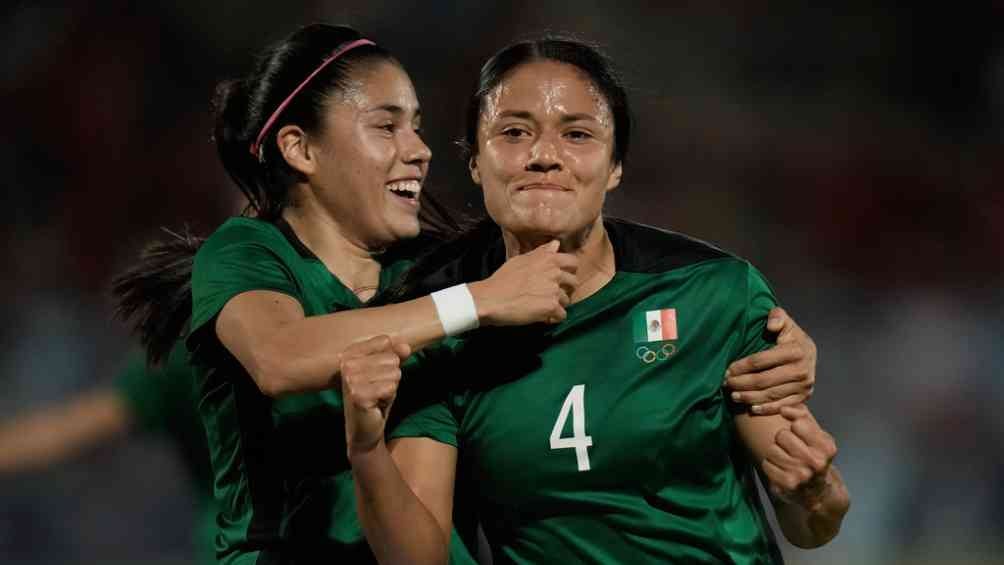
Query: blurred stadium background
x=853, y=154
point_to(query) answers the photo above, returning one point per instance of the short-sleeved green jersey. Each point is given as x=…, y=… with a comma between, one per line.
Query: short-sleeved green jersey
x=162, y=401
x=608, y=438
x=282, y=478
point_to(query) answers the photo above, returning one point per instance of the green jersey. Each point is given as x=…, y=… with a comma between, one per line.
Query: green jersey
x=608, y=438
x=282, y=478
x=162, y=401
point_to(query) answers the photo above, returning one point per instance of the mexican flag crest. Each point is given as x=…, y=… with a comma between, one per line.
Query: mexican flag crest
x=655, y=325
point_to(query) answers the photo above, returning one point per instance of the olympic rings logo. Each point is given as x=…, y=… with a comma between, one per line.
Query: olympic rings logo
x=662, y=353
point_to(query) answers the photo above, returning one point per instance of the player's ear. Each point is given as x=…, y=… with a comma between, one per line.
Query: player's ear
x=472, y=166
x=615, y=177
x=295, y=148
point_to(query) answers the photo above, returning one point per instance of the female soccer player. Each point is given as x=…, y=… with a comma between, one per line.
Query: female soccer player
x=322, y=137
x=606, y=438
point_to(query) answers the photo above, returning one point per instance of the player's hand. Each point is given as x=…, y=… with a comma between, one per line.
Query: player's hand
x=798, y=464
x=371, y=372
x=529, y=288
x=783, y=375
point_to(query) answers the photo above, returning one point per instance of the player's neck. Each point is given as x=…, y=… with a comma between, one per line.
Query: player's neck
x=591, y=245
x=350, y=261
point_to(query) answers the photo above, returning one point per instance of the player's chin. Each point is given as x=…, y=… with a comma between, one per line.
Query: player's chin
x=548, y=231
x=550, y=221
x=405, y=227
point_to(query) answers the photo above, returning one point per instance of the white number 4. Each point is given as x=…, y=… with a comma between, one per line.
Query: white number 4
x=574, y=402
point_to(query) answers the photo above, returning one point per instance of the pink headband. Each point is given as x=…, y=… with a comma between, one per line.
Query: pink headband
x=256, y=148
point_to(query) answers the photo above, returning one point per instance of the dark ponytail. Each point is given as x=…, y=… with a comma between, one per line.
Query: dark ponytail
x=155, y=296
x=230, y=108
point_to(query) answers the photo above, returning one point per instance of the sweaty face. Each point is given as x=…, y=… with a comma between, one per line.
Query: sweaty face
x=372, y=161
x=545, y=148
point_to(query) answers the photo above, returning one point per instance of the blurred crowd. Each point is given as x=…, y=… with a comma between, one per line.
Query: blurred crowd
x=856, y=157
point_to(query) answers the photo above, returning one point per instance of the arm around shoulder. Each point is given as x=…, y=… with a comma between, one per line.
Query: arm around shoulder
x=286, y=352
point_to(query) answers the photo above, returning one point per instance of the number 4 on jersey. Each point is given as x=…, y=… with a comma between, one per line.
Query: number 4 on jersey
x=574, y=403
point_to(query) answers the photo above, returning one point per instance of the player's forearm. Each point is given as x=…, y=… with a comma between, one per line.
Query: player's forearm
x=817, y=520
x=399, y=528
x=54, y=434
x=304, y=355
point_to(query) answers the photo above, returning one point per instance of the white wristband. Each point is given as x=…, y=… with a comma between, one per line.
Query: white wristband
x=456, y=309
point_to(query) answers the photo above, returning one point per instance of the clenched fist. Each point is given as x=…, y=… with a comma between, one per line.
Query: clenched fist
x=798, y=463
x=371, y=372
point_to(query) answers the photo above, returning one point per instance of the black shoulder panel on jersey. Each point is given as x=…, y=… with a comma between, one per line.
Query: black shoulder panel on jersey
x=480, y=252
x=482, y=256
x=646, y=249
x=410, y=249
x=287, y=231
